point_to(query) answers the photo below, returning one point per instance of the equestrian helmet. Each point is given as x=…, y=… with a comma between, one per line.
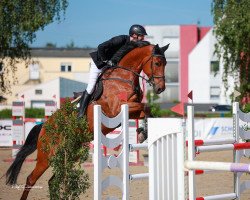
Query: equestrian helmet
x=137, y=29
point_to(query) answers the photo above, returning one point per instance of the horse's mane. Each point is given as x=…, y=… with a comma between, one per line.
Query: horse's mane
x=127, y=48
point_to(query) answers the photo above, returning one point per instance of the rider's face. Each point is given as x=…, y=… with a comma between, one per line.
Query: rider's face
x=140, y=37
x=137, y=37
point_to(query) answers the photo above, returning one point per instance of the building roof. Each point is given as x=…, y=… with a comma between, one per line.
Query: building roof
x=61, y=52
x=67, y=87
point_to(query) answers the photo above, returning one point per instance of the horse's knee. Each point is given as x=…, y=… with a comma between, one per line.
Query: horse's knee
x=30, y=181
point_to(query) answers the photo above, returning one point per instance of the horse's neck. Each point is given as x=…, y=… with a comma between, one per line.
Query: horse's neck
x=134, y=59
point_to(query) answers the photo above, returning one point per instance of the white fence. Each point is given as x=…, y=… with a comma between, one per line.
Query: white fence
x=167, y=157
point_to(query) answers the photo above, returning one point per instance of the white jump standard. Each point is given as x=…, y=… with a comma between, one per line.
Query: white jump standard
x=167, y=162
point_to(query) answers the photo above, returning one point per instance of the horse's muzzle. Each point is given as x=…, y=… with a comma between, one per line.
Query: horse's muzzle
x=159, y=89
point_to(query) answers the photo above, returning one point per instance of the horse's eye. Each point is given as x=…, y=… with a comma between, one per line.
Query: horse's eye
x=157, y=64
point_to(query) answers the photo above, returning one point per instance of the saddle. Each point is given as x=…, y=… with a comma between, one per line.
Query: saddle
x=96, y=94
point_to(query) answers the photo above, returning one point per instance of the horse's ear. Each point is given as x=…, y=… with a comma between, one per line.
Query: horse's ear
x=165, y=47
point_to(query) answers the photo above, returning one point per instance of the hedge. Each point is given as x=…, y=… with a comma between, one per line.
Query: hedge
x=29, y=113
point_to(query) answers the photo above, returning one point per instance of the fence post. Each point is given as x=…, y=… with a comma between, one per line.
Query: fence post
x=191, y=152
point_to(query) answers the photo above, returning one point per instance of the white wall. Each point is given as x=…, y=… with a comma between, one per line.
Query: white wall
x=199, y=71
x=162, y=35
x=49, y=89
x=199, y=75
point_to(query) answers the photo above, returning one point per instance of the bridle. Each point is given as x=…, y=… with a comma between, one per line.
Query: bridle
x=150, y=80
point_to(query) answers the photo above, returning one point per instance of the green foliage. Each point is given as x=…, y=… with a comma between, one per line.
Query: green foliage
x=71, y=45
x=232, y=30
x=69, y=138
x=34, y=112
x=212, y=115
x=19, y=22
x=246, y=108
x=169, y=113
x=50, y=45
x=155, y=110
x=151, y=96
x=5, y=114
x=29, y=113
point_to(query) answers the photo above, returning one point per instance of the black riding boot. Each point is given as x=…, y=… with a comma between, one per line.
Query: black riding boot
x=84, y=101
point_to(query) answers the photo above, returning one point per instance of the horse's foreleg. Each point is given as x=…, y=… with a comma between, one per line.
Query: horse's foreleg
x=41, y=167
x=138, y=110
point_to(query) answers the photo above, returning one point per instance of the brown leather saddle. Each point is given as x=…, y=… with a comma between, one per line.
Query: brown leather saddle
x=95, y=95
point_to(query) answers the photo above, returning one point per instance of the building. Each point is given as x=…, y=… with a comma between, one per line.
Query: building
x=53, y=90
x=71, y=65
x=205, y=73
x=191, y=64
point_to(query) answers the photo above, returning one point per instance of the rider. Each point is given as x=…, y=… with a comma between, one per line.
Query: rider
x=102, y=57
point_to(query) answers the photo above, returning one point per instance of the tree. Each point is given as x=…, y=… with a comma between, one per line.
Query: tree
x=232, y=30
x=69, y=178
x=19, y=21
x=71, y=45
x=50, y=45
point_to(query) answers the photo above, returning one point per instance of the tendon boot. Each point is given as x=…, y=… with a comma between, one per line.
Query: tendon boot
x=84, y=101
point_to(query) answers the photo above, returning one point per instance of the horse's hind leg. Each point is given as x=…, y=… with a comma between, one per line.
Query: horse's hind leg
x=41, y=167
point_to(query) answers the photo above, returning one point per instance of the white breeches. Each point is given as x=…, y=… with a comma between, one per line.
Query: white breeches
x=93, y=75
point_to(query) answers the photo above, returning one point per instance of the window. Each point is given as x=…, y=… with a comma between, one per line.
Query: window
x=214, y=66
x=172, y=72
x=214, y=92
x=38, y=92
x=66, y=67
x=62, y=68
x=171, y=94
x=34, y=71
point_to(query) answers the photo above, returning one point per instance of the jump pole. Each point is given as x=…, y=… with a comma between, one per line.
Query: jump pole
x=235, y=167
x=220, y=166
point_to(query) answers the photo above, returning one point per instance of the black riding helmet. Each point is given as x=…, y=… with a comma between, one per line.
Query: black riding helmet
x=137, y=29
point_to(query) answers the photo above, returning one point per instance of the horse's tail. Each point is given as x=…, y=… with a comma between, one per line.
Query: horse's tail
x=28, y=148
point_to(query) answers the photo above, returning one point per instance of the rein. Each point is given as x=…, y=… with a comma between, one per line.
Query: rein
x=135, y=73
x=149, y=80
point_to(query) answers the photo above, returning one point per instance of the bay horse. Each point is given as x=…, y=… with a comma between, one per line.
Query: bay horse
x=120, y=86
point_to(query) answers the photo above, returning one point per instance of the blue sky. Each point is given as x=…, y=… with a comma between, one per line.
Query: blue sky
x=90, y=22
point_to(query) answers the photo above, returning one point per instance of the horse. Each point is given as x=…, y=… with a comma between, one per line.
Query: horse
x=121, y=85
